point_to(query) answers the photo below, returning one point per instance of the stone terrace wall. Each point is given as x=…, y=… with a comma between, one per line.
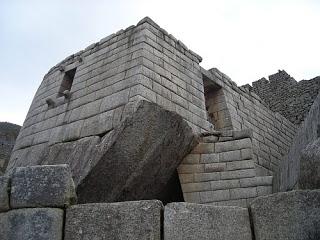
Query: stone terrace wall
x=39, y=203
x=140, y=62
x=272, y=133
x=307, y=133
x=285, y=95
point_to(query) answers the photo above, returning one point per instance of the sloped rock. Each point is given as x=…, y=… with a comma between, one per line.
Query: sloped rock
x=291, y=215
x=139, y=157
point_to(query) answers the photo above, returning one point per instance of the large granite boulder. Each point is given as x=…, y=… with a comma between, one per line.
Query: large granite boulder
x=291, y=215
x=189, y=221
x=135, y=160
x=137, y=220
x=309, y=177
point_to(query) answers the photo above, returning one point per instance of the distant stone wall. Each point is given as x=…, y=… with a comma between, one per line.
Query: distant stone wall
x=90, y=92
x=308, y=132
x=285, y=95
x=272, y=134
x=39, y=202
x=8, y=134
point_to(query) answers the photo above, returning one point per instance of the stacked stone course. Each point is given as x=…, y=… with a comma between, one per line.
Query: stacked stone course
x=221, y=171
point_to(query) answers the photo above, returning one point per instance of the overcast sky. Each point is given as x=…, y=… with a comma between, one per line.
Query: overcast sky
x=246, y=39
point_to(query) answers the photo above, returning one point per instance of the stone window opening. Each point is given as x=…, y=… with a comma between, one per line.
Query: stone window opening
x=66, y=83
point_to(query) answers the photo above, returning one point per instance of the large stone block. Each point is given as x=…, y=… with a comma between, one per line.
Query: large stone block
x=137, y=159
x=137, y=220
x=32, y=224
x=188, y=221
x=290, y=215
x=42, y=186
x=4, y=193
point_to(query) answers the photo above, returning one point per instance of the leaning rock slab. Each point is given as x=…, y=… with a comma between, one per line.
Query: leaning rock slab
x=189, y=221
x=136, y=220
x=139, y=157
x=32, y=224
x=291, y=215
x=4, y=193
x=42, y=186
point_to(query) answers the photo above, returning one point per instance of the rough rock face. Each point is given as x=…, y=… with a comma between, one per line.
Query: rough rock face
x=8, y=135
x=139, y=157
x=135, y=160
x=310, y=166
x=291, y=215
x=135, y=220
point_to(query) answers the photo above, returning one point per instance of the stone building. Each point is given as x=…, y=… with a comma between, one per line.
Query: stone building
x=134, y=118
x=86, y=106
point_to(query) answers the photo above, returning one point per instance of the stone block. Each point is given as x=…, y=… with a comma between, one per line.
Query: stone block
x=191, y=159
x=196, y=187
x=214, y=196
x=135, y=220
x=237, y=174
x=209, y=158
x=204, y=148
x=215, y=167
x=188, y=221
x=238, y=193
x=233, y=145
x=32, y=224
x=205, y=177
x=291, y=215
x=4, y=193
x=244, y=164
x=224, y=184
x=188, y=168
x=42, y=186
x=230, y=156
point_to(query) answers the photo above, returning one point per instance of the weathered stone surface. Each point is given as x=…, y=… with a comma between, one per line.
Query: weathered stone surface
x=310, y=166
x=32, y=224
x=137, y=220
x=290, y=215
x=190, y=221
x=4, y=193
x=138, y=158
x=42, y=186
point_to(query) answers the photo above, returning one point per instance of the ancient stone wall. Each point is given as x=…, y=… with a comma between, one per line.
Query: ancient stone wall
x=308, y=132
x=90, y=92
x=39, y=202
x=221, y=171
x=241, y=109
x=285, y=95
x=8, y=134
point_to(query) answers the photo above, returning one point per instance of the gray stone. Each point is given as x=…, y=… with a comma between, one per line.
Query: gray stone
x=4, y=193
x=188, y=221
x=310, y=166
x=32, y=224
x=290, y=215
x=42, y=186
x=135, y=220
x=138, y=158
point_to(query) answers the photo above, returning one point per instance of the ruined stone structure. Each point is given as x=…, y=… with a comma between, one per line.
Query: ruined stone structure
x=285, y=95
x=137, y=118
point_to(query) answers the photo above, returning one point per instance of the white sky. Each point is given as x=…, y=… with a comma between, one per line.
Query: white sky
x=246, y=39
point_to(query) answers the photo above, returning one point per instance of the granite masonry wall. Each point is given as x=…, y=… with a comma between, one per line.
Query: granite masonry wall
x=90, y=92
x=308, y=132
x=283, y=94
x=239, y=109
x=221, y=171
x=39, y=202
